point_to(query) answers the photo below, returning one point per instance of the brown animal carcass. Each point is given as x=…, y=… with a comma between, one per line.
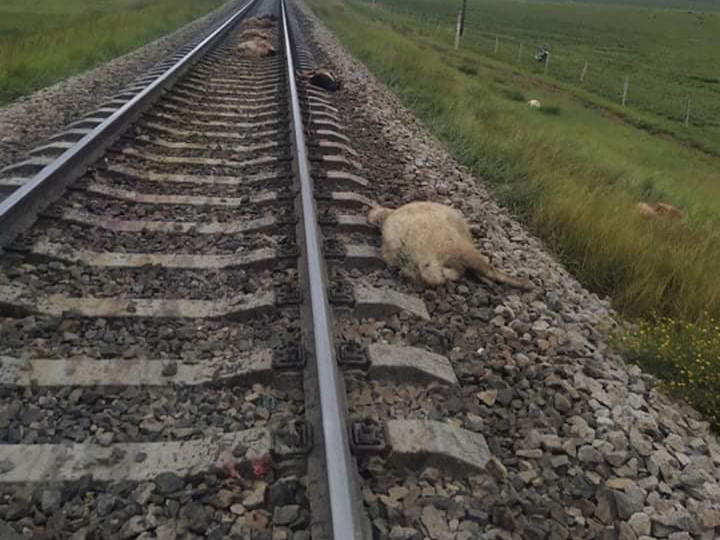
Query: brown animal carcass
x=659, y=210
x=256, y=48
x=645, y=210
x=322, y=78
x=254, y=33
x=668, y=210
x=266, y=21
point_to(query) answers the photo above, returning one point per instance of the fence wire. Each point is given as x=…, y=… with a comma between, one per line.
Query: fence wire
x=609, y=71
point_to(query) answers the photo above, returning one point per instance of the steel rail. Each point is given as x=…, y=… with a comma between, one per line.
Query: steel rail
x=344, y=506
x=23, y=204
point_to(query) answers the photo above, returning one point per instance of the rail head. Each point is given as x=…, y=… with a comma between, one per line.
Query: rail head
x=345, y=505
x=21, y=207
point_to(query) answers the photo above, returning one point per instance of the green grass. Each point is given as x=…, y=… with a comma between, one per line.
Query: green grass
x=43, y=41
x=667, y=53
x=685, y=355
x=572, y=171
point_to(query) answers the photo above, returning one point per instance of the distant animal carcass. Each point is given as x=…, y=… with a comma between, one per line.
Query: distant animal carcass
x=254, y=33
x=659, y=210
x=255, y=42
x=542, y=54
x=322, y=78
x=534, y=103
x=256, y=48
x=266, y=21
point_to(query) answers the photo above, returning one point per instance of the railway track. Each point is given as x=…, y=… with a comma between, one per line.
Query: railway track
x=199, y=338
x=180, y=316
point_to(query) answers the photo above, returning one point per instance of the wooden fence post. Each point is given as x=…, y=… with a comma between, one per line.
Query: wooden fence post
x=625, y=89
x=457, y=30
x=547, y=61
x=584, y=71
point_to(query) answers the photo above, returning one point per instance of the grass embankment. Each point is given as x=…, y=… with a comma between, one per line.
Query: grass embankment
x=664, y=52
x=43, y=41
x=572, y=174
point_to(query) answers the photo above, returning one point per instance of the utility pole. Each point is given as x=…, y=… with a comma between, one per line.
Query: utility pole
x=460, y=27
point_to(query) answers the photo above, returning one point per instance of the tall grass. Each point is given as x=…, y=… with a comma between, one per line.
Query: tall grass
x=44, y=41
x=574, y=176
x=665, y=52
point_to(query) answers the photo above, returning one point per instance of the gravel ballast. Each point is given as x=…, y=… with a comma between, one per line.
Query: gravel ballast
x=584, y=446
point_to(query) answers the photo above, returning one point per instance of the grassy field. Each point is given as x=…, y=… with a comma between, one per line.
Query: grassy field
x=43, y=41
x=666, y=53
x=573, y=171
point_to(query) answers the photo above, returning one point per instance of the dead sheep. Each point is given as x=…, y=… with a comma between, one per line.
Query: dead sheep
x=256, y=48
x=659, y=210
x=322, y=78
x=254, y=33
x=266, y=21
